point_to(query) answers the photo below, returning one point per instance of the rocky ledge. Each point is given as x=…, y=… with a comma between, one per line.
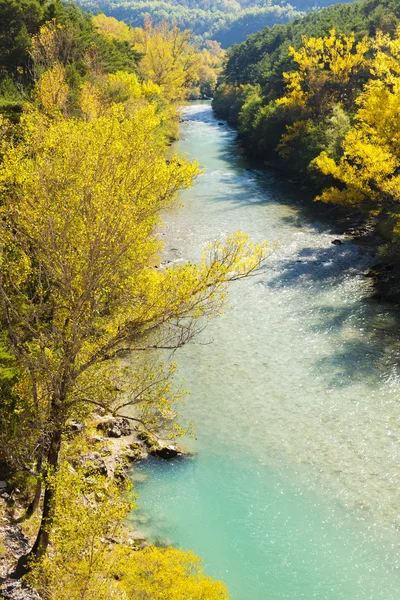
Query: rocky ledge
x=114, y=443
x=118, y=443
x=13, y=589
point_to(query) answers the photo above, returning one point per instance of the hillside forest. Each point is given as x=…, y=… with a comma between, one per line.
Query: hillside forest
x=319, y=98
x=226, y=21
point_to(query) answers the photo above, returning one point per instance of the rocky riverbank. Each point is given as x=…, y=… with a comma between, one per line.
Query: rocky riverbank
x=112, y=445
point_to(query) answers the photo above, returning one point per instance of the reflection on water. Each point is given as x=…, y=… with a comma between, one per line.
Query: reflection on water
x=293, y=492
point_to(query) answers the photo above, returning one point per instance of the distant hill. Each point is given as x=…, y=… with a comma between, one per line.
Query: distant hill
x=228, y=21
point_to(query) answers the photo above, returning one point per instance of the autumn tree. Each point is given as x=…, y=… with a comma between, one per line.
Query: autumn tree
x=80, y=204
x=209, y=68
x=169, y=58
x=113, y=29
x=369, y=167
x=84, y=563
x=327, y=73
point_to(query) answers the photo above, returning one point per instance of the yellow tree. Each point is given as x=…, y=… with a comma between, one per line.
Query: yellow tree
x=325, y=77
x=80, y=203
x=210, y=67
x=84, y=564
x=326, y=69
x=168, y=59
x=369, y=167
x=112, y=28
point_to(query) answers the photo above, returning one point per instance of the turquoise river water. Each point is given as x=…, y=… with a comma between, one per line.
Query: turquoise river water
x=293, y=491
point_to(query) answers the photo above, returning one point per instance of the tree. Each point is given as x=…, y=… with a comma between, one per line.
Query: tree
x=327, y=72
x=19, y=20
x=81, y=201
x=85, y=564
x=168, y=59
x=369, y=166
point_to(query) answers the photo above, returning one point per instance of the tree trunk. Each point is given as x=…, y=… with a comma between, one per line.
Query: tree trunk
x=43, y=537
x=32, y=508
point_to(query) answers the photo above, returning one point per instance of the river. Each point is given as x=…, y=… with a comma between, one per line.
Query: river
x=293, y=492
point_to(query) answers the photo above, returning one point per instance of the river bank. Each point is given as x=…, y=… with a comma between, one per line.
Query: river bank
x=111, y=445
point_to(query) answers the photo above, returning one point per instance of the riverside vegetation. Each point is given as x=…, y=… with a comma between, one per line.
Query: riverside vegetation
x=84, y=174
x=320, y=98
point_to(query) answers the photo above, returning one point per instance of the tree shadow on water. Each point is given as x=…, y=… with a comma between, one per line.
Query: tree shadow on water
x=358, y=361
x=362, y=333
x=365, y=343
x=311, y=266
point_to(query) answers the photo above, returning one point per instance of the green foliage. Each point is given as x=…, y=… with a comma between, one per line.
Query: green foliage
x=21, y=19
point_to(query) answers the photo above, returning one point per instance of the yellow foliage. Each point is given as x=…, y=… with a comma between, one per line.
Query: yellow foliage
x=83, y=563
x=50, y=46
x=112, y=28
x=371, y=149
x=166, y=573
x=323, y=61
x=44, y=44
x=99, y=97
x=339, y=54
x=51, y=91
x=81, y=204
x=169, y=59
x=321, y=81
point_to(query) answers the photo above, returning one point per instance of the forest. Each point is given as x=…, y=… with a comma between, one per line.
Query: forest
x=227, y=21
x=319, y=98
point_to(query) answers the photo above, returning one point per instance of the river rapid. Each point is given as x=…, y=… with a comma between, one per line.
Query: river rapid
x=293, y=492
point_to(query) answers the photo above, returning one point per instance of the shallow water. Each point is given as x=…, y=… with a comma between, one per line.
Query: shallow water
x=293, y=491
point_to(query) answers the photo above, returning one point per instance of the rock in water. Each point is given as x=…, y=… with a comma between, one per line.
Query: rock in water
x=167, y=452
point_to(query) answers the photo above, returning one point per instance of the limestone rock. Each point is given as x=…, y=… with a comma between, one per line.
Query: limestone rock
x=116, y=427
x=75, y=427
x=166, y=451
x=93, y=464
x=157, y=447
x=15, y=590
